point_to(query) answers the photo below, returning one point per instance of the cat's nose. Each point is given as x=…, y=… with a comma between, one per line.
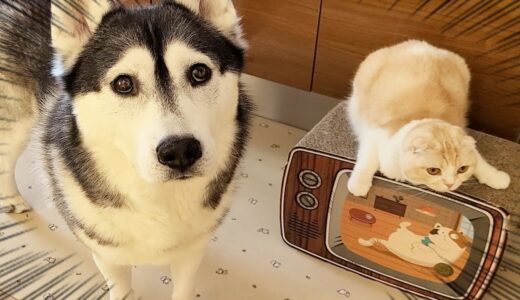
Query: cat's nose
x=449, y=183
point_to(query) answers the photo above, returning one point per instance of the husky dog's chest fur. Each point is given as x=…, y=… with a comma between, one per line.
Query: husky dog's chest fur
x=150, y=226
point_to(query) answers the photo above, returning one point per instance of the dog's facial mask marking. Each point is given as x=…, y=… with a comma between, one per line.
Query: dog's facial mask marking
x=140, y=121
x=148, y=76
x=79, y=20
x=153, y=28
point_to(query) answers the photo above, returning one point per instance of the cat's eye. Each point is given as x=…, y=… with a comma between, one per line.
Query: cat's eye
x=199, y=74
x=433, y=171
x=463, y=169
x=124, y=85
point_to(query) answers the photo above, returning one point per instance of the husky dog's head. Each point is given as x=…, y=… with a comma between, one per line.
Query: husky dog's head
x=158, y=85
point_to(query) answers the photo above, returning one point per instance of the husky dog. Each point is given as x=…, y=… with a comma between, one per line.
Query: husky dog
x=141, y=120
x=440, y=245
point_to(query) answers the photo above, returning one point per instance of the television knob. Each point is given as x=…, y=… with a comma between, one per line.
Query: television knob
x=307, y=200
x=309, y=179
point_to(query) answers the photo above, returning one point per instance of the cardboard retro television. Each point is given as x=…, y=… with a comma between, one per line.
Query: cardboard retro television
x=435, y=245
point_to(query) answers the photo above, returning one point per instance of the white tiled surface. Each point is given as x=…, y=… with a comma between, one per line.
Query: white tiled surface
x=247, y=258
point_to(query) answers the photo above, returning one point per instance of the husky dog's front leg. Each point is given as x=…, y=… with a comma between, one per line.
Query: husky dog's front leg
x=184, y=271
x=118, y=278
x=13, y=139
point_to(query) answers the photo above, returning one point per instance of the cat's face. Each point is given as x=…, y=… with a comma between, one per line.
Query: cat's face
x=439, y=155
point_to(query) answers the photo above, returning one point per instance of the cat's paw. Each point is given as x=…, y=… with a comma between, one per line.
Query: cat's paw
x=405, y=224
x=499, y=180
x=14, y=204
x=357, y=187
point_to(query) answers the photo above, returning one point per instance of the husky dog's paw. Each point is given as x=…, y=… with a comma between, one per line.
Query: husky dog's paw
x=498, y=180
x=357, y=187
x=14, y=204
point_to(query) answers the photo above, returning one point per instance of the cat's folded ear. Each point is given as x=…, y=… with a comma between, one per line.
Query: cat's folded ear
x=419, y=145
x=469, y=141
x=73, y=22
x=465, y=139
x=221, y=14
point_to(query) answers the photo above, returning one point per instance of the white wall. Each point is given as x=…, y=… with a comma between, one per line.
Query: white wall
x=287, y=105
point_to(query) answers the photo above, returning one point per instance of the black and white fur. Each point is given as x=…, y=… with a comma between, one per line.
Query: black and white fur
x=100, y=148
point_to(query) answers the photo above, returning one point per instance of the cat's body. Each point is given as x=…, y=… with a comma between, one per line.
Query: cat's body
x=408, y=109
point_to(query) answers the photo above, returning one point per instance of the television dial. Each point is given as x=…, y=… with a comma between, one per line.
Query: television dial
x=307, y=200
x=309, y=179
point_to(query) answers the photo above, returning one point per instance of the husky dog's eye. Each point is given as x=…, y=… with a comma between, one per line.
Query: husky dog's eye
x=123, y=84
x=199, y=74
x=463, y=169
x=433, y=171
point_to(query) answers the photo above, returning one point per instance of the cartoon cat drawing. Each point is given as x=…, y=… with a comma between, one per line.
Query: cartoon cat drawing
x=441, y=245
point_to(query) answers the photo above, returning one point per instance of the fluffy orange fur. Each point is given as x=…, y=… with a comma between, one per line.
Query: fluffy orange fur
x=408, y=109
x=411, y=81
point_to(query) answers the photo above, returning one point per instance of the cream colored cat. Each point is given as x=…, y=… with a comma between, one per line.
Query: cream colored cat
x=408, y=109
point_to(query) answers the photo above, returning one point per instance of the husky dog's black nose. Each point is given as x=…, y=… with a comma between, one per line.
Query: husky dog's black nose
x=179, y=153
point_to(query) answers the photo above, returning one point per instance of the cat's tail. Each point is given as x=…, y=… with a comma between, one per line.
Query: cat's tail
x=369, y=243
x=374, y=242
x=25, y=52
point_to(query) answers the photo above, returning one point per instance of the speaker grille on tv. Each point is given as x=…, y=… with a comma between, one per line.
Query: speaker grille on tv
x=302, y=228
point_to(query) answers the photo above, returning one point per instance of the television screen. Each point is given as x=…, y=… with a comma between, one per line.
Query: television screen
x=410, y=234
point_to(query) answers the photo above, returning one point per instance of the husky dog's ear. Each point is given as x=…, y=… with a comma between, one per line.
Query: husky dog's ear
x=73, y=22
x=222, y=14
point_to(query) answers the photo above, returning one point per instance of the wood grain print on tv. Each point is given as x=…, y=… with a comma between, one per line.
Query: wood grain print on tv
x=306, y=229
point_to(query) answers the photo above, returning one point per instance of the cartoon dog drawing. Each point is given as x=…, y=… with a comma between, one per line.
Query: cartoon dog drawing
x=441, y=245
